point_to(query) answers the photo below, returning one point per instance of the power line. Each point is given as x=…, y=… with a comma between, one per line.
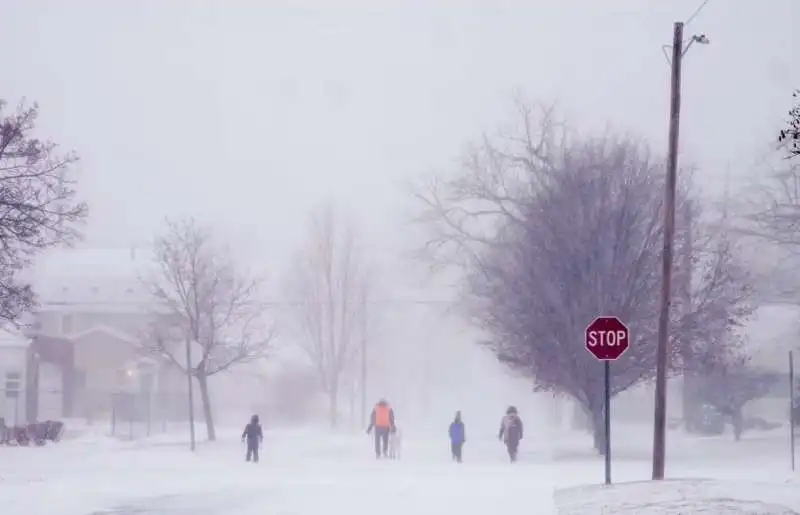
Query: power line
x=265, y=304
x=696, y=12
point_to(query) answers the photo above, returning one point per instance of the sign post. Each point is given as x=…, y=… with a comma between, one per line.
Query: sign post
x=607, y=339
x=792, y=421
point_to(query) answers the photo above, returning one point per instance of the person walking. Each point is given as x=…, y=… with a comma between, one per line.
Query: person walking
x=511, y=432
x=254, y=436
x=382, y=420
x=457, y=434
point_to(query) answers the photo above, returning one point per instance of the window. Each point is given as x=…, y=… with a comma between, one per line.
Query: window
x=13, y=384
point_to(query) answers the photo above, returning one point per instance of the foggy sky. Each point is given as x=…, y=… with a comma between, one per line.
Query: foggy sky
x=248, y=113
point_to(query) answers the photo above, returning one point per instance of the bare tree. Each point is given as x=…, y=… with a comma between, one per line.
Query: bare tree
x=790, y=135
x=38, y=209
x=772, y=216
x=550, y=235
x=775, y=212
x=329, y=281
x=463, y=212
x=210, y=304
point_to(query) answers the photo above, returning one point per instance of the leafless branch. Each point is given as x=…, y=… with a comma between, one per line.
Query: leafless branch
x=208, y=302
x=331, y=278
x=551, y=232
x=38, y=207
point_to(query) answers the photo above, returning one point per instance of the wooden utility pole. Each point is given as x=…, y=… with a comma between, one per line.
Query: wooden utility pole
x=189, y=378
x=660, y=411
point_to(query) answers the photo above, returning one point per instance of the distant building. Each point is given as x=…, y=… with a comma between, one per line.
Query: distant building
x=771, y=333
x=87, y=335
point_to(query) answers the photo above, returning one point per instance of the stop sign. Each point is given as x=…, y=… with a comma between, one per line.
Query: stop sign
x=607, y=338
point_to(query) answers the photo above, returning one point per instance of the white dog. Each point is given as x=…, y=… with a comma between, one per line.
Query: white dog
x=395, y=444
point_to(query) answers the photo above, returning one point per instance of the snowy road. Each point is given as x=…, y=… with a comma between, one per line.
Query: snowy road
x=300, y=474
x=308, y=473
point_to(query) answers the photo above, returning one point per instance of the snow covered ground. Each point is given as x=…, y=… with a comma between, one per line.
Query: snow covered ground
x=311, y=472
x=713, y=475
x=302, y=472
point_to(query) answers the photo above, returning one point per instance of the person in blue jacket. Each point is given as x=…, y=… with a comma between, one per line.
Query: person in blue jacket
x=457, y=437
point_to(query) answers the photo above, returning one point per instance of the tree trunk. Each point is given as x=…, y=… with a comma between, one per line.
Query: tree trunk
x=333, y=406
x=202, y=381
x=691, y=404
x=737, y=421
x=598, y=429
x=581, y=418
x=352, y=394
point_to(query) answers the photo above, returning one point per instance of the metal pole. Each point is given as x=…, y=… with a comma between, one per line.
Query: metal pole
x=607, y=395
x=149, y=409
x=191, y=394
x=131, y=414
x=660, y=411
x=113, y=414
x=364, y=360
x=791, y=405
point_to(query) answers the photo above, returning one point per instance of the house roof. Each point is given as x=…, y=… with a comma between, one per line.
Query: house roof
x=94, y=279
x=105, y=329
x=772, y=332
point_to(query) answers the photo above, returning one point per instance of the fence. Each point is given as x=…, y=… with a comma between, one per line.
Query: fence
x=137, y=415
x=126, y=415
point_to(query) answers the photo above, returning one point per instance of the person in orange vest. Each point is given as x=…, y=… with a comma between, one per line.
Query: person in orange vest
x=382, y=420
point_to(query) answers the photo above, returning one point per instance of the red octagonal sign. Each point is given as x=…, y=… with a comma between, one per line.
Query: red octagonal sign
x=607, y=338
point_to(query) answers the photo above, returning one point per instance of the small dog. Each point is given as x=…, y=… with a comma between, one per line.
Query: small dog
x=395, y=444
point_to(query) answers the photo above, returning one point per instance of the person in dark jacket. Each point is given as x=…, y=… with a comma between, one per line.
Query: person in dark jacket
x=254, y=436
x=382, y=420
x=511, y=432
x=458, y=436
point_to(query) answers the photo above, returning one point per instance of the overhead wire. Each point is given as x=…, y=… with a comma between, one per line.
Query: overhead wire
x=696, y=12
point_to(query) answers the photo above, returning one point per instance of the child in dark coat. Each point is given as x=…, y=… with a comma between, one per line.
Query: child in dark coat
x=458, y=436
x=254, y=435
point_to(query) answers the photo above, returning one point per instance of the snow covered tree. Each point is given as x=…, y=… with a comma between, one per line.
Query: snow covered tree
x=329, y=284
x=38, y=208
x=551, y=233
x=211, y=306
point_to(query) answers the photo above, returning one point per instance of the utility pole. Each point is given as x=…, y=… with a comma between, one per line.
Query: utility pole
x=191, y=394
x=660, y=411
x=364, y=360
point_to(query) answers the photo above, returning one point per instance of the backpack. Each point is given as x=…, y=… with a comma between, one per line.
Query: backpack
x=511, y=427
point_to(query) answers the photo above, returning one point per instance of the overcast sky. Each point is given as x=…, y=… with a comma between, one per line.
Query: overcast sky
x=247, y=113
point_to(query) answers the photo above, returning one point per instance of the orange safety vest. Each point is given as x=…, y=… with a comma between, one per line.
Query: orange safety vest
x=383, y=416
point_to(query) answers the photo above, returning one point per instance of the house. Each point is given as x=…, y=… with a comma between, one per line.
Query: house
x=770, y=335
x=87, y=335
x=14, y=347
